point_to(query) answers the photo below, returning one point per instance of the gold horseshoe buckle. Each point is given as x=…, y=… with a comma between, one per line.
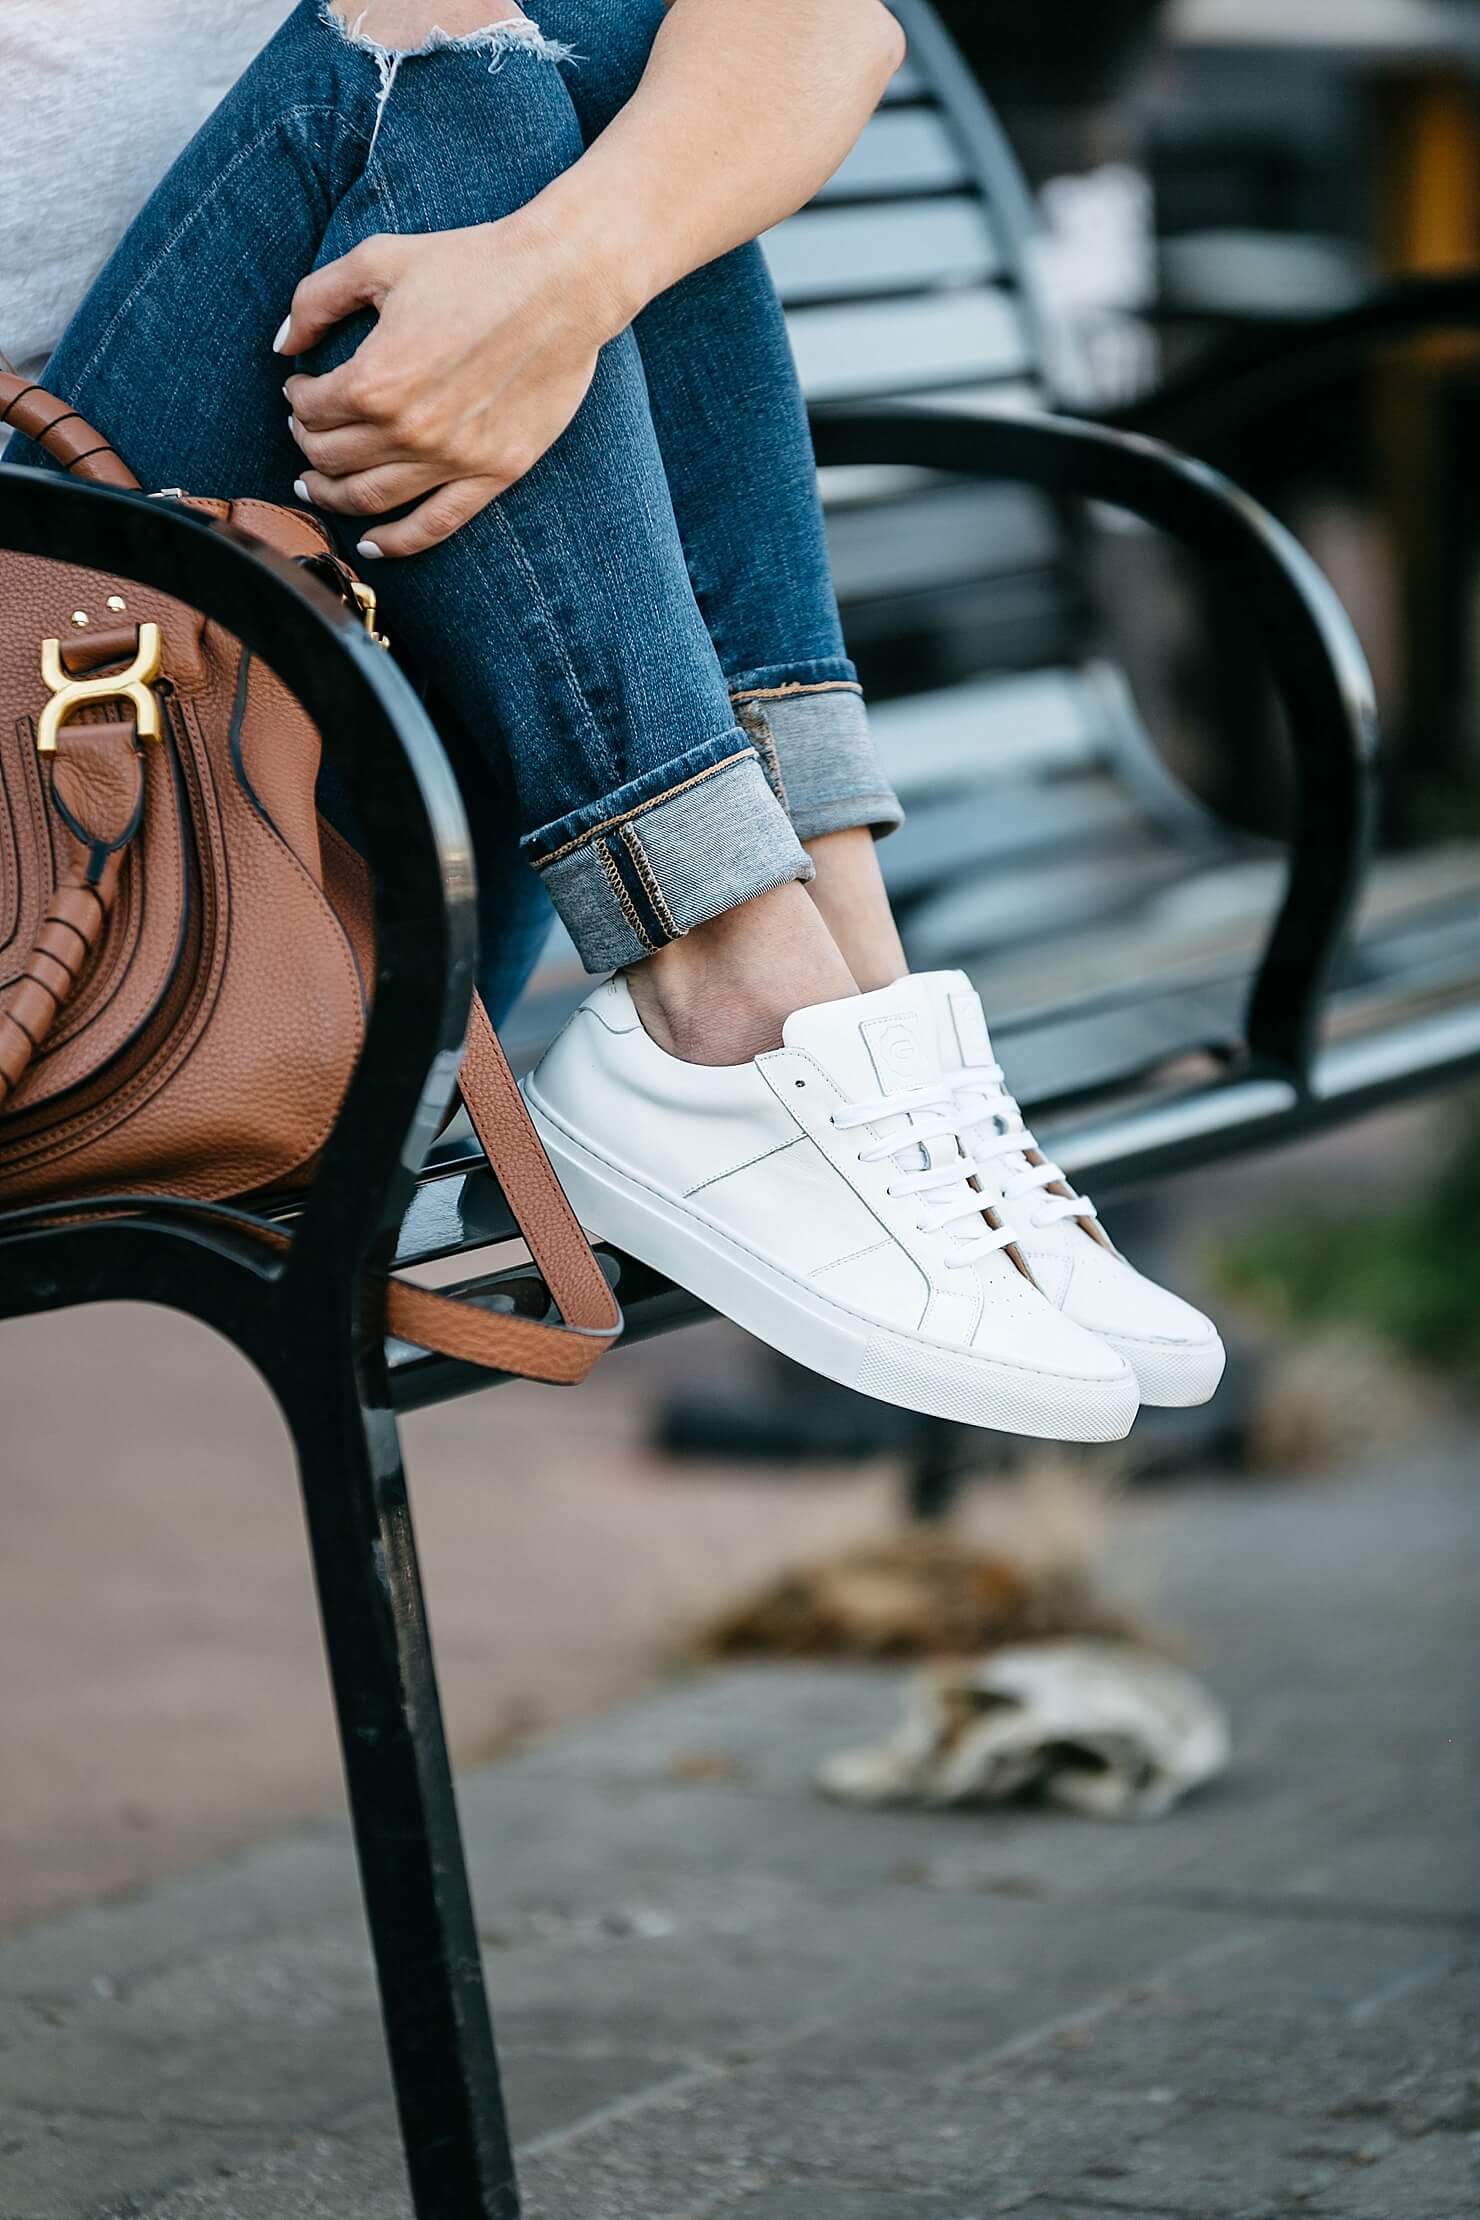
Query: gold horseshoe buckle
x=134, y=685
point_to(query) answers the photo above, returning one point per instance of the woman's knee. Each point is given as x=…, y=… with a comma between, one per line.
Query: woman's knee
x=459, y=130
x=610, y=42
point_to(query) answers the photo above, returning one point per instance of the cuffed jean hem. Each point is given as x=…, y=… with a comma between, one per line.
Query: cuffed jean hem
x=667, y=853
x=810, y=727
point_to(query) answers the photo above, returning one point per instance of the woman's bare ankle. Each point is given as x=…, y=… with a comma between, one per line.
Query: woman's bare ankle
x=848, y=892
x=722, y=994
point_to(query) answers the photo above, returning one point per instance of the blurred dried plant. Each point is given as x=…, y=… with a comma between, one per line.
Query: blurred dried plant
x=1330, y=1398
x=931, y=1592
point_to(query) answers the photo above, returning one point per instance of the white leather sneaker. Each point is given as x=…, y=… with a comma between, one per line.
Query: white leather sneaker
x=819, y=1198
x=1175, y=1352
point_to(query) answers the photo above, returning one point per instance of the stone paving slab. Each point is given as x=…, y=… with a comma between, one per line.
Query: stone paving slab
x=723, y=1999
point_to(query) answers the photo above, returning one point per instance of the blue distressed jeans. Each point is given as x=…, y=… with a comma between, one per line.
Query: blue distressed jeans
x=634, y=654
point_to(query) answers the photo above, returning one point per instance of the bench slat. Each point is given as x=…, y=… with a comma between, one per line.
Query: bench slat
x=1097, y=890
x=1041, y=725
x=907, y=83
x=832, y=253
x=1013, y=397
x=950, y=535
x=1083, y=1055
x=896, y=347
x=906, y=150
x=1012, y=828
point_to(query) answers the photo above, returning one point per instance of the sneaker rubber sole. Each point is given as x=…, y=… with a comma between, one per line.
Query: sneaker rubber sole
x=1172, y=1375
x=820, y=1333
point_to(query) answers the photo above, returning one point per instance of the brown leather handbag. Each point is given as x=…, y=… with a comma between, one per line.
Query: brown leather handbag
x=186, y=945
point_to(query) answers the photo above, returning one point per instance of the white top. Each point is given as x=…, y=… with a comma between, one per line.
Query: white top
x=97, y=97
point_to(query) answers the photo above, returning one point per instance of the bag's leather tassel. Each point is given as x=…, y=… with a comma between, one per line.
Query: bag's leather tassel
x=97, y=789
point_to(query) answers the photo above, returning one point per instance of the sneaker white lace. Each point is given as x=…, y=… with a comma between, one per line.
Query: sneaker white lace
x=819, y=1196
x=1174, y=1350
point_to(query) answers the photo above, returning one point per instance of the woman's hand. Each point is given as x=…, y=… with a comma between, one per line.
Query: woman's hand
x=487, y=338
x=485, y=345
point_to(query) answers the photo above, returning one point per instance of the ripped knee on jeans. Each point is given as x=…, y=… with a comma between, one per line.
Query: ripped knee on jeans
x=508, y=31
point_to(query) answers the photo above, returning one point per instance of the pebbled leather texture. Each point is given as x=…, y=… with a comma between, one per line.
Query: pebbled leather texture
x=186, y=949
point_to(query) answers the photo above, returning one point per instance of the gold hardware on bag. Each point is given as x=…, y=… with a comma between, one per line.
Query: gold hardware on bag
x=367, y=601
x=134, y=685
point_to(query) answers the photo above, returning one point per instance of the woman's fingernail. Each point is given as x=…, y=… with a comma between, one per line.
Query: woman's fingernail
x=302, y=492
x=370, y=551
x=277, y=345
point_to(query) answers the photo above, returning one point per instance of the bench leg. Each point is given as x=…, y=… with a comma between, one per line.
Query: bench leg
x=443, y=2061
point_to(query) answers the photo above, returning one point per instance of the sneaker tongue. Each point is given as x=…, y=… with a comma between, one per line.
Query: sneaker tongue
x=873, y=1045
x=966, y=1040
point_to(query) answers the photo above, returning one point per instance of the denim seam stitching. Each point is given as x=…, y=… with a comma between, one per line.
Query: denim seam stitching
x=548, y=624
x=779, y=693
x=640, y=809
x=243, y=154
x=624, y=899
x=374, y=176
x=545, y=615
x=649, y=877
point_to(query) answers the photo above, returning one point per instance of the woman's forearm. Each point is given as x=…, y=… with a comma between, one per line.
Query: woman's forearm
x=746, y=108
x=486, y=339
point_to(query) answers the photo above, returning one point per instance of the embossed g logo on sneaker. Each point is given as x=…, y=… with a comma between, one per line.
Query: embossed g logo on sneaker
x=899, y=1050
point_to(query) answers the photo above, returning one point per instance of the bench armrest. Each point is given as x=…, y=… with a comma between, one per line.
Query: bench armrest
x=406, y=799
x=1223, y=396
x=1314, y=656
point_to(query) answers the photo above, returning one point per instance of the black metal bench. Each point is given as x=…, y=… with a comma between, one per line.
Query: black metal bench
x=1159, y=1059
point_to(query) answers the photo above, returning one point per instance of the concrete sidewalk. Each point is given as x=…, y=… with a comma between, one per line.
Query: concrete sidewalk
x=720, y=1996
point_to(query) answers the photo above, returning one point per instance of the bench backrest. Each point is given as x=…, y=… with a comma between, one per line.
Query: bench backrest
x=909, y=278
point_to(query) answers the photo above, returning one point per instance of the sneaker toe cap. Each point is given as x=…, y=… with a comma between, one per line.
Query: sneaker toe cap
x=1113, y=1298
x=1033, y=1334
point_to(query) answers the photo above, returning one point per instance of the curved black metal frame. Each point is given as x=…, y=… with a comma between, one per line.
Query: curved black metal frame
x=308, y=1322
x=1314, y=656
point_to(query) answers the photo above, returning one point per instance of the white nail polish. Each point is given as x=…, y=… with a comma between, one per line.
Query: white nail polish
x=277, y=345
x=303, y=493
x=370, y=551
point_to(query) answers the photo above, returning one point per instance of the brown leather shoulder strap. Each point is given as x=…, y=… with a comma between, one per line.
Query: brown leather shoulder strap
x=550, y=1227
x=62, y=432
x=96, y=786
x=591, y=1316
